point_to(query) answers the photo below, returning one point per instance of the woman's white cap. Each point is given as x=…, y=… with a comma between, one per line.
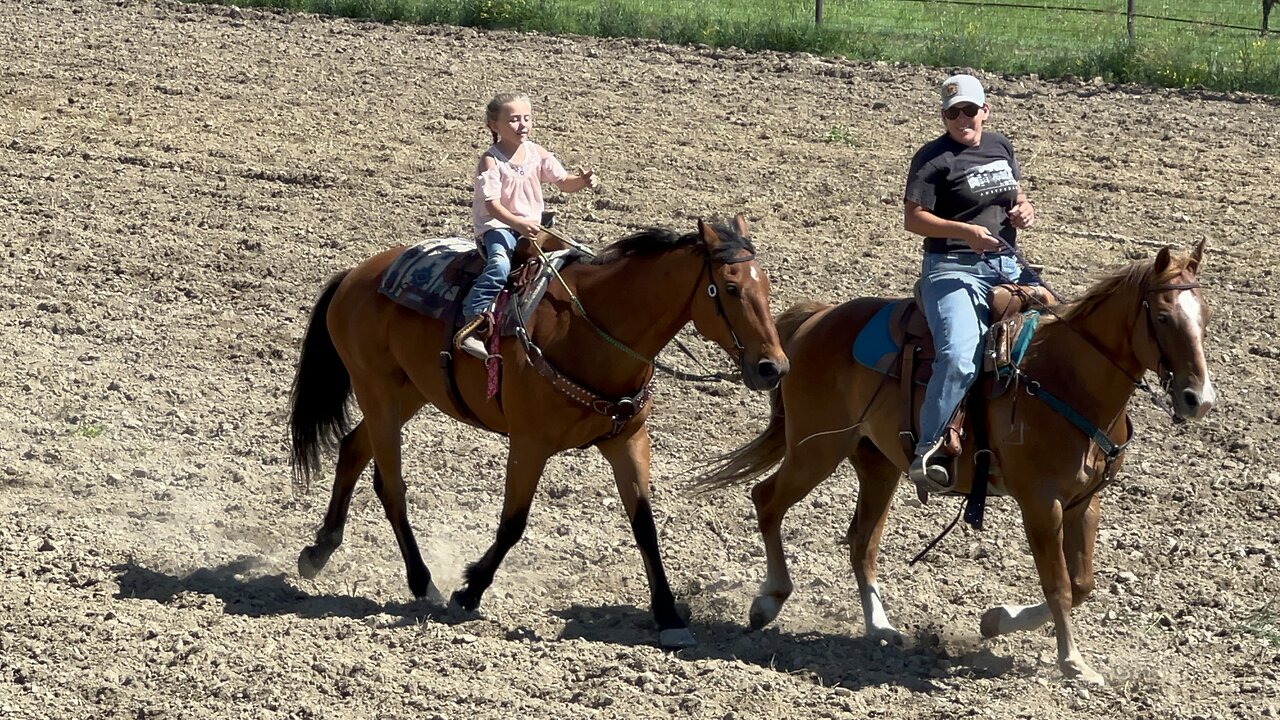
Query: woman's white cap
x=962, y=88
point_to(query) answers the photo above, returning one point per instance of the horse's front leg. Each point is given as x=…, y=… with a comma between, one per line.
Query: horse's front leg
x=1044, y=525
x=525, y=462
x=1079, y=535
x=629, y=457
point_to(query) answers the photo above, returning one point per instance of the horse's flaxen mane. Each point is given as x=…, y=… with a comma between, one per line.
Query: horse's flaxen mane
x=1134, y=275
x=657, y=240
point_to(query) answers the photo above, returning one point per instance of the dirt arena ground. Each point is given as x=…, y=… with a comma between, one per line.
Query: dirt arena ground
x=177, y=182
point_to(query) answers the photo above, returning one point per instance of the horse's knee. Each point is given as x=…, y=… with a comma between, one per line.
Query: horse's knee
x=1081, y=589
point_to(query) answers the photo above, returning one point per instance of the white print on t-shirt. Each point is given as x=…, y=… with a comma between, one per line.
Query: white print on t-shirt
x=991, y=179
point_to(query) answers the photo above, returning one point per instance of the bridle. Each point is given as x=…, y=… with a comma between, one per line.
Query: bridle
x=1100, y=437
x=621, y=411
x=1144, y=307
x=713, y=290
x=1163, y=370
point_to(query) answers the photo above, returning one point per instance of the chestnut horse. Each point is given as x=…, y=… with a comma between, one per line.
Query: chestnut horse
x=583, y=380
x=1148, y=316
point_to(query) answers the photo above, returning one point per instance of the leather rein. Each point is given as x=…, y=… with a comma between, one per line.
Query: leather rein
x=620, y=411
x=1096, y=434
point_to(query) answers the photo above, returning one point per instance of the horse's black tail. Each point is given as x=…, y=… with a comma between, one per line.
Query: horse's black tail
x=319, y=416
x=769, y=447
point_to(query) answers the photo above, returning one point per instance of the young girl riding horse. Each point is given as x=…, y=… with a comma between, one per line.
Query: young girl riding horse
x=507, y=204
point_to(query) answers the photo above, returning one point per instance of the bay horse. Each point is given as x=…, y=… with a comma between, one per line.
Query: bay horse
x=583, y=380
x=1150, y=315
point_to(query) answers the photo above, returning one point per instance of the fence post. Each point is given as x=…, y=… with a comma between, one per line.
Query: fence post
x=1130, y=20
x=817, y=12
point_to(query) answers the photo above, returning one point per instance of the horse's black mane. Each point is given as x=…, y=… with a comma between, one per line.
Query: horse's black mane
x=657, y=240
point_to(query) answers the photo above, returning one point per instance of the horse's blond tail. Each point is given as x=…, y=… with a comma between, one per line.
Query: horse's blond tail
x=768, y=448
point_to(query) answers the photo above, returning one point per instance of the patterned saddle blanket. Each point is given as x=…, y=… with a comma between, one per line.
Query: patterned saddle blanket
x=434, y=275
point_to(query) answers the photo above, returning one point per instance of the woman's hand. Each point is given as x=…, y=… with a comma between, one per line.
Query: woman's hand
x=1022, y=214
x=980, y=239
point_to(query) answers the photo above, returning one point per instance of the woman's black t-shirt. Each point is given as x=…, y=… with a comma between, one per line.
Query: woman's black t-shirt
x=968, y=184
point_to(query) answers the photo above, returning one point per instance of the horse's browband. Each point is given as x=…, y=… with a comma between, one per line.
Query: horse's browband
x=1172, y=286
x=746, y=258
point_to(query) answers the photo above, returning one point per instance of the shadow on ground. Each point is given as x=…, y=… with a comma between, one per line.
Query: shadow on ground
x=829, y=659
x=242, y=592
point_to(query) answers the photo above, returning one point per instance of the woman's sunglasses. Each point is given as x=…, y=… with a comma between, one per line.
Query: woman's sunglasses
x=952, y=113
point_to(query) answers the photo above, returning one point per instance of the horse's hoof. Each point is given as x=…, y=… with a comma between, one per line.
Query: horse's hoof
x=307, y=565
x=433, y=594
x=1078, y=670
x=990, y=625
x=763, y=611
x=889, y=635
x=676, y=639
x=460, y=598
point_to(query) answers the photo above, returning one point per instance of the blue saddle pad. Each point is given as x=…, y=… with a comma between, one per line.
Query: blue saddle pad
x=417, y=278
x=874, y=346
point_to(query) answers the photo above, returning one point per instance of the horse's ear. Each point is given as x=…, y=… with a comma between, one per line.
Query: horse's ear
x=709, y=236
x=1162, y=260
x=1197, y=253
x=740, y=224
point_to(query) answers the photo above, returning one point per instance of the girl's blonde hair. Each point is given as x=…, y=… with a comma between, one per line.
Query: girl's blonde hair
x=493, y=110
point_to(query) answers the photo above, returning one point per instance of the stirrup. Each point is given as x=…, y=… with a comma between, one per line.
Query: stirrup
x=467, y=338
x=929, y=476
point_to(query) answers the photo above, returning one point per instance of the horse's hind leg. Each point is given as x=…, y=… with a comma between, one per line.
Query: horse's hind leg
x=524, y=468
x=630, y=458
x=384, y=414
x=877, y=480
x=354, y=454
x=801, y=470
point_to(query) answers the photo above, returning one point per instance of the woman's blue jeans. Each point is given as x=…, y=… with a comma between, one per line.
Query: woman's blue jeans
x=953, y=291
x=497, y=245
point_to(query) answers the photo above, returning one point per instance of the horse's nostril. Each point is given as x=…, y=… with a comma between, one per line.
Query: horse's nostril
x=1191, y=398
x=767, y=369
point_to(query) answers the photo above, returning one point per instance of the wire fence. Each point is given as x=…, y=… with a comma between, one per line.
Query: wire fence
x=1222, y=43
x=1059, y=23
x=1250, y=15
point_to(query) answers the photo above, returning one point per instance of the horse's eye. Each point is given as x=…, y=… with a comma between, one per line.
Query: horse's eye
x=732, y=289
x=1164, y=318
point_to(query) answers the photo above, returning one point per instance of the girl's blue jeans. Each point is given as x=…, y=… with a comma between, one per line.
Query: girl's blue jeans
x=497, y=245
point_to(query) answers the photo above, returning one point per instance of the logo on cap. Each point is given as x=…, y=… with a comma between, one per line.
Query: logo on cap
x=951, y=88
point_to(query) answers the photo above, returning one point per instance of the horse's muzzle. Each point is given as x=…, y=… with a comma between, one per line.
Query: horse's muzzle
x=1194, y=401
x=766, y=373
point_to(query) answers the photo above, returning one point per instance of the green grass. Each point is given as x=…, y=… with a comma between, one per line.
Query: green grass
x=1052, y=42
x=91, y=430
x=1264, y=623
x=842, y=135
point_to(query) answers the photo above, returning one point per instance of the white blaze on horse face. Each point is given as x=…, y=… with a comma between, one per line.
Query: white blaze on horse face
x=1193, y=316
x=755, y=274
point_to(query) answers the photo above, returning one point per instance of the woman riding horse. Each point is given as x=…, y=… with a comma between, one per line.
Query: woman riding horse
x=1056, y=439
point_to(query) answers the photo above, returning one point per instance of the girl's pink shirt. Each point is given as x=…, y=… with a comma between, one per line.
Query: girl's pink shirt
x=517, y=187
